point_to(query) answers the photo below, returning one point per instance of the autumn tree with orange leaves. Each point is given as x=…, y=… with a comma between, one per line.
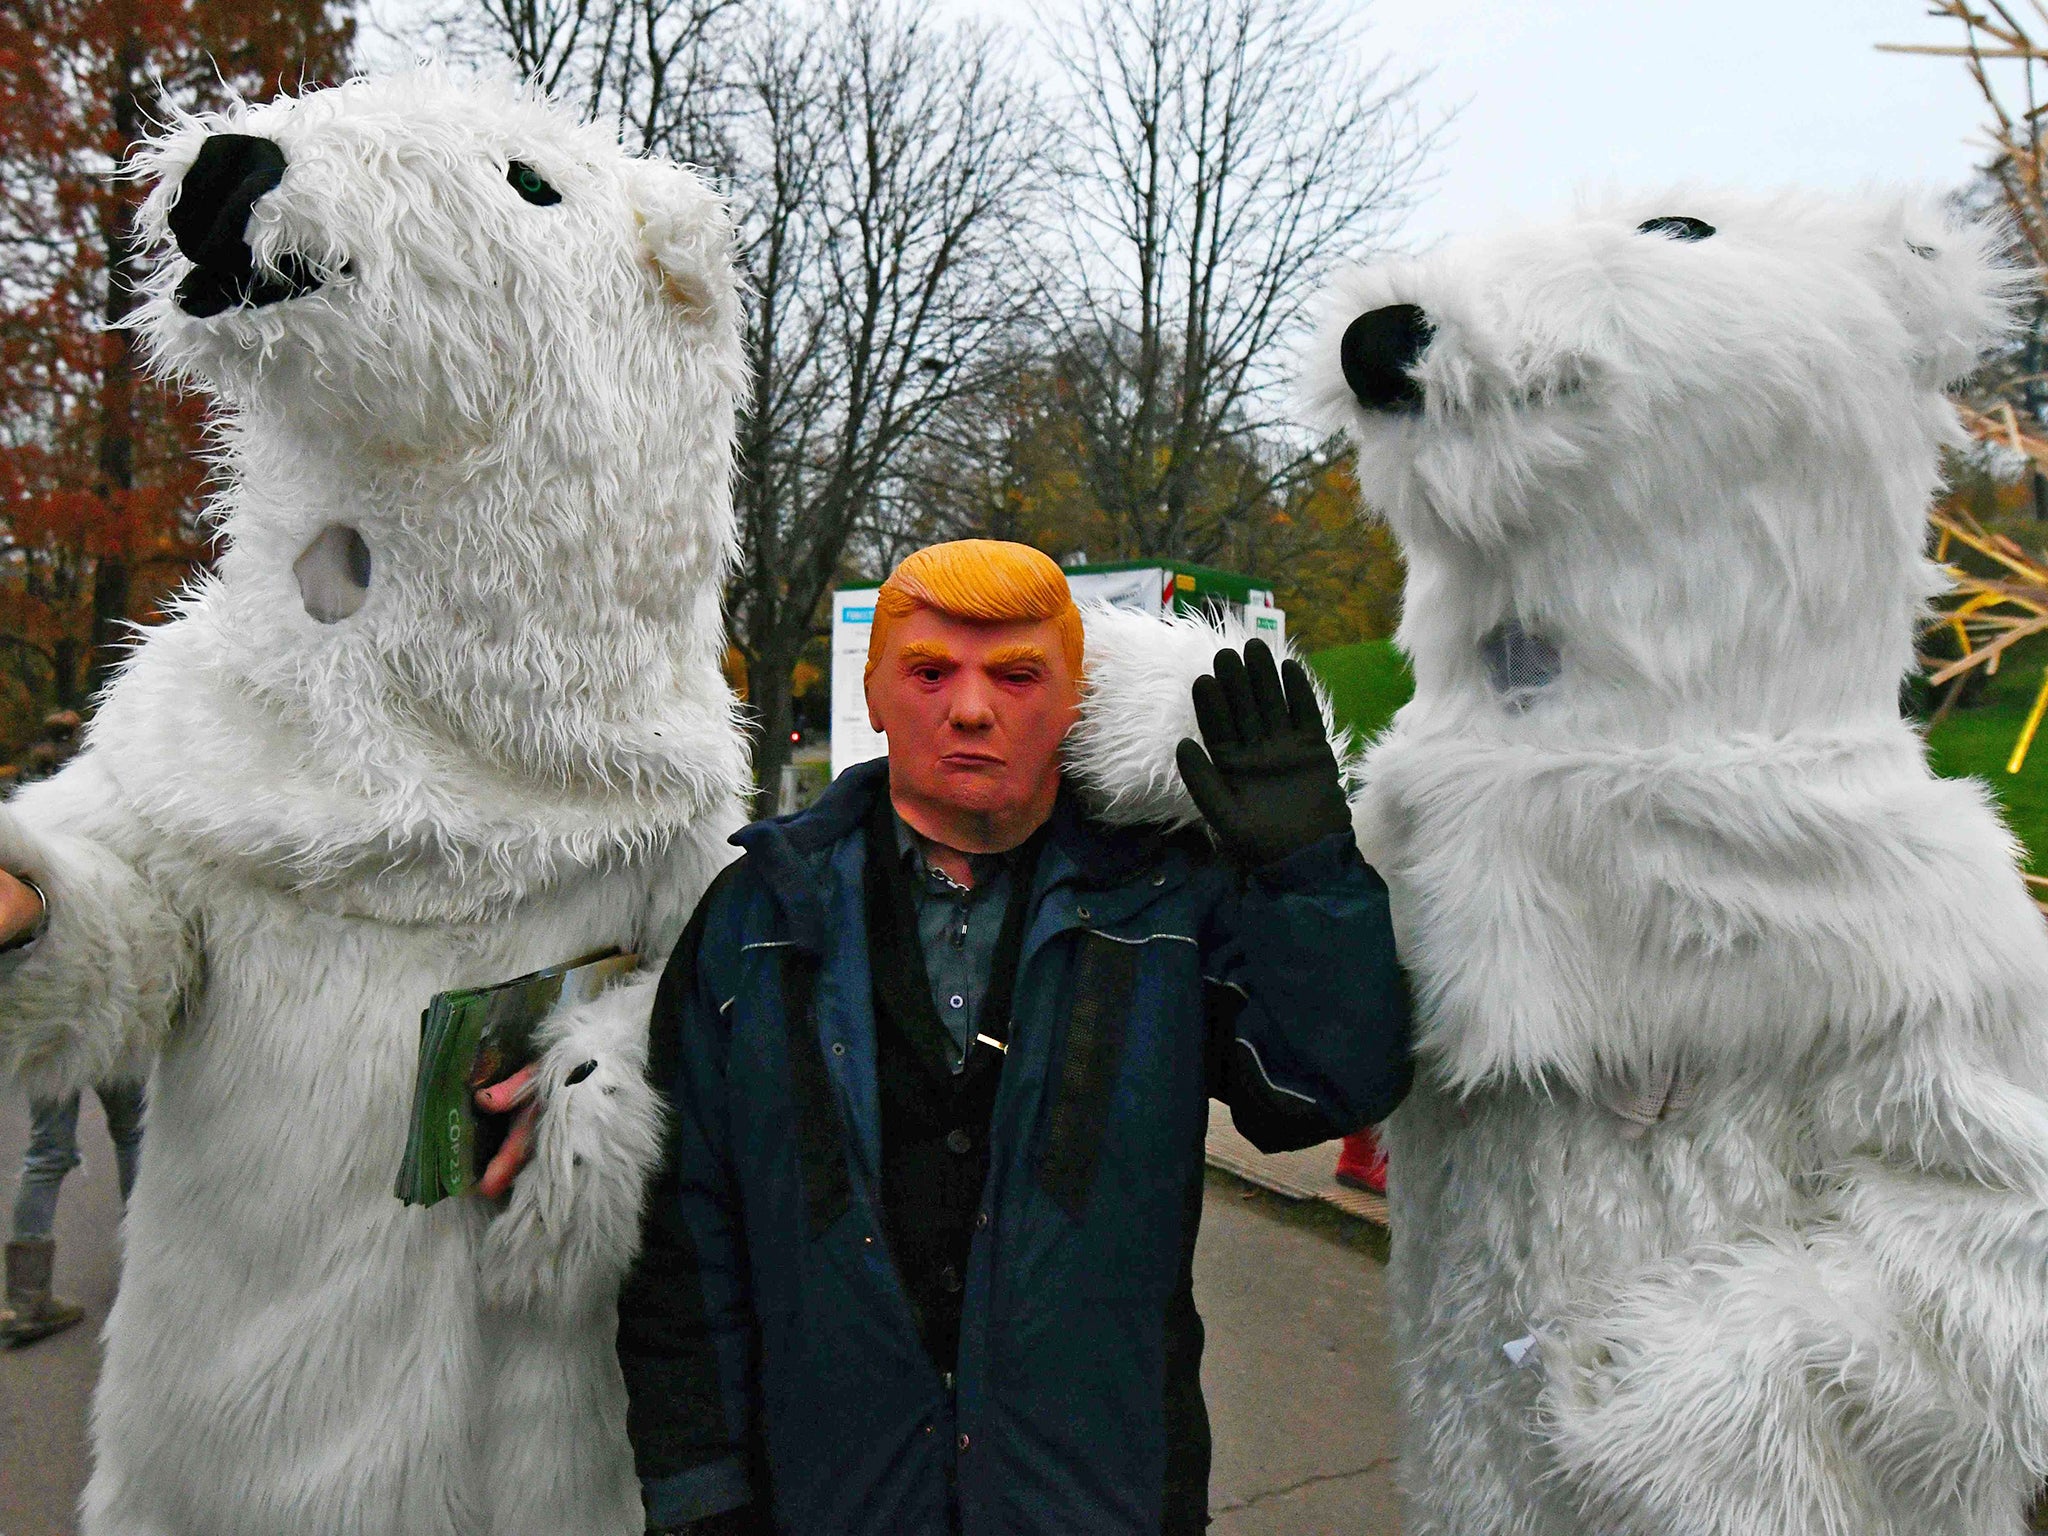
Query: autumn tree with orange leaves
x=101, y=478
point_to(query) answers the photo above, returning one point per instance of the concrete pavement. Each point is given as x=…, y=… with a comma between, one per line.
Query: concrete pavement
x=1298, y=1370
x=45, y=1388
x=1297, y=1367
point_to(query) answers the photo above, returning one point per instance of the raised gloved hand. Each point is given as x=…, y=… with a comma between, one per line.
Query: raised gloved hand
x=1268, y=785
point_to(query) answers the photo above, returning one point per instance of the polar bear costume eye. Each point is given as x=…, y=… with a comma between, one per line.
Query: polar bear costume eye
x=1677, y=226
x=531, y=185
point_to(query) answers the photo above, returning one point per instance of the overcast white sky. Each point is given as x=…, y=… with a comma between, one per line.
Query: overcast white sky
x=1559, y=94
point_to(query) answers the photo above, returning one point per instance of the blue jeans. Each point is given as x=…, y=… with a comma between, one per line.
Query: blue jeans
x=53, y=1151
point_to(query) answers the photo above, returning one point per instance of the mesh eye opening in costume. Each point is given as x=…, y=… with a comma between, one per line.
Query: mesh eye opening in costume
x=1519, y=665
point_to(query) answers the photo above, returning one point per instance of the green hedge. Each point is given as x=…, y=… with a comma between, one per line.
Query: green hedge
x=1369, y=681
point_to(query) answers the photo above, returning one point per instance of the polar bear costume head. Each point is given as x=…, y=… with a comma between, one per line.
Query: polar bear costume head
x=1661, y=469
x=476, y=370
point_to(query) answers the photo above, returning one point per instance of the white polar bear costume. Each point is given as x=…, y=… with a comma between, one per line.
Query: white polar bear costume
x=1732, y=1101
x=504, y=744
x=1733, y=1018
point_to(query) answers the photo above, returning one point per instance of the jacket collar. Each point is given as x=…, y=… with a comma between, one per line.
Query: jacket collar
x=788, y=848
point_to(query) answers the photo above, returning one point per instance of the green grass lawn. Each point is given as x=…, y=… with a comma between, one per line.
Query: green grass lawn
x=1369, y=681
x=1976, y=743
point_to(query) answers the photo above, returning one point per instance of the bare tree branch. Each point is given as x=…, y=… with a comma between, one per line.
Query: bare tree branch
x=1215, y=158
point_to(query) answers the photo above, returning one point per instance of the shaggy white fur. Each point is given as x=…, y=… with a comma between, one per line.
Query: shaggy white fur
x=305, y=807
x=1730, y=1014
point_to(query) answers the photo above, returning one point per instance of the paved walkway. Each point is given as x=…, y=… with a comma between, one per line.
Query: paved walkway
x=45, y=1388
x=1296, y=1369
x=1297, y=1372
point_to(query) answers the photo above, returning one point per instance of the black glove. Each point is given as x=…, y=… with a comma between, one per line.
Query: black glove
x=1273, y=787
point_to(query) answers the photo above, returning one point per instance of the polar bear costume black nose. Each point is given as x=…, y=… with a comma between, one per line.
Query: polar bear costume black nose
x=231, y=171
x=210, y=222
x=1378, y=349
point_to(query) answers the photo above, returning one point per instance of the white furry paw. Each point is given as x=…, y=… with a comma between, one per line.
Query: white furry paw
x=90, y=1000
x=1139, y=703
x=572, y=1222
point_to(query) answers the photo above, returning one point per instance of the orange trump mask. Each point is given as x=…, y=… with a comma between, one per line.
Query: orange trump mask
x=974, y=675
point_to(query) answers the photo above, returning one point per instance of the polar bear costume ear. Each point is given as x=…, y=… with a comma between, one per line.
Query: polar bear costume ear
x=1951, y=281
x=688, y=237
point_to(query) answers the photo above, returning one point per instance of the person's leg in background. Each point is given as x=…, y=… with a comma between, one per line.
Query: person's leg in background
x=31, y=1312
x=122, y=1103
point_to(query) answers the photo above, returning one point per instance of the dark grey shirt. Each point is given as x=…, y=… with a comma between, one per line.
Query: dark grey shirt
x=957, y=929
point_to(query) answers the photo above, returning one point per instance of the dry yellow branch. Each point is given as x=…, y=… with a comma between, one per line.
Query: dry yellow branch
x=1950, y=51
x=1987, y=655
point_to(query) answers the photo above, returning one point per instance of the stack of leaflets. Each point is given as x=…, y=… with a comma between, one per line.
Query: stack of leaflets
x=472, y=1037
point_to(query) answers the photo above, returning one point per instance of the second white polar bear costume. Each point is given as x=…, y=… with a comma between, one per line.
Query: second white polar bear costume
x=1733, y=1018
x=449, y=710
x=1721, y=1203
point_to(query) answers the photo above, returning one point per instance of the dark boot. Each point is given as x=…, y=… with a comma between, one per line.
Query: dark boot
x=32, y=1312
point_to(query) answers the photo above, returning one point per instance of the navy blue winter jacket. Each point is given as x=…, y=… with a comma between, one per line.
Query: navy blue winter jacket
x=768, y=1349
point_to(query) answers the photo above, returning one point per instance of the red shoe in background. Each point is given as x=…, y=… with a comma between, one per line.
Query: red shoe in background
x=1362, y=1164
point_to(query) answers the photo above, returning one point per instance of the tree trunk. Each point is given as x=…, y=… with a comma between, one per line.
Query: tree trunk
x=64, y=673
x=770, y=693
x=110, y=583
x=109, y=622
